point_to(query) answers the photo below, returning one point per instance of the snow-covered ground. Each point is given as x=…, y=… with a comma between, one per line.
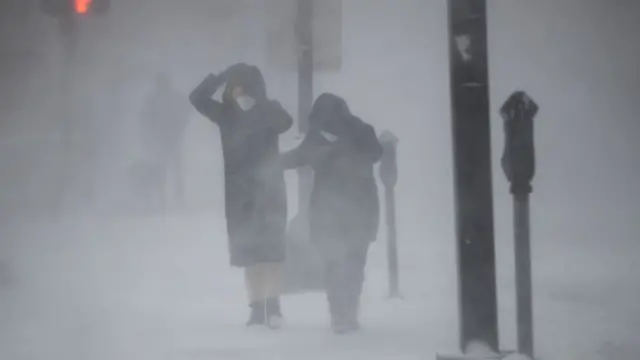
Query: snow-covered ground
x=162, y=288
x=154, y=288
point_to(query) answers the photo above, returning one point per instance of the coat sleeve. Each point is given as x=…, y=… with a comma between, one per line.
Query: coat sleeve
x=201, y=99
x=366, y=144
x=274, y=119
x=278, y=118
x=298, y=156
x=308, y=153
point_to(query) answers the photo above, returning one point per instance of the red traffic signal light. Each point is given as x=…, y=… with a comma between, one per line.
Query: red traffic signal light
x=71, y=7
x=91, y=6
x=82, y=6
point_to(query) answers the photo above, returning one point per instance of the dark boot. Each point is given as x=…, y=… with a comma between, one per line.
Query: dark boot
x=340, y=317
x=345, y=323
x=343, y=326
x=257, y=316
x=273, y=313
x=351, y=322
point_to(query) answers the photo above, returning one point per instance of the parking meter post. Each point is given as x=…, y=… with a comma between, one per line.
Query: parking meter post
x=523, y=275
x=389, y=176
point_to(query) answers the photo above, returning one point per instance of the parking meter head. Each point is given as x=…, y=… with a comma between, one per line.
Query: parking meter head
x=518, y=159
x=388, y=138
x=388, y=164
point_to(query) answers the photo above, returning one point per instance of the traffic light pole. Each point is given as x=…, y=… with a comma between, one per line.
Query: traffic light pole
x=473, y=173
x=304, y=35
x=66, y=13
x=69, y=41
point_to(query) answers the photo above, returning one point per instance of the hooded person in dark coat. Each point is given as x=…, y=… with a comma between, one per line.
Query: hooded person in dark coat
x=344, y=207
x=255, y=192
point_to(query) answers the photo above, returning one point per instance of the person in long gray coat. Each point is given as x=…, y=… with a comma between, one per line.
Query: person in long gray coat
x=344, y=207
x=255, y=201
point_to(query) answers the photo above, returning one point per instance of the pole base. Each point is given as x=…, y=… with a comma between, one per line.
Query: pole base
x=395, y=295
x=500, y=356
x=477, y=350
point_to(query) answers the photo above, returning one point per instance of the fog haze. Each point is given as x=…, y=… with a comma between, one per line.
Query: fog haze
x=94, y=281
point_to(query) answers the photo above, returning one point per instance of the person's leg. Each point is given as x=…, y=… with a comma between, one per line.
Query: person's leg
x=256, y=293
x=253, y=279
x=273, y=279
x=354, y=276
x=335, y=269
x=332, y=288
x=273, y=289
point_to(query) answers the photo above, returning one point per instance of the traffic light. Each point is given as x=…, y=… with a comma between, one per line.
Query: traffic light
x=59, y=8
x=82, y=6
x=94, y=6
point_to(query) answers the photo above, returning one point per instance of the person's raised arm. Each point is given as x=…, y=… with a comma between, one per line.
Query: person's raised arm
x=201, y=97
x=297, y=156
x=312, y=150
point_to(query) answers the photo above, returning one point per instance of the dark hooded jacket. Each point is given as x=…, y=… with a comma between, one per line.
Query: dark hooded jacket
x=344, y=203
x=255, y=192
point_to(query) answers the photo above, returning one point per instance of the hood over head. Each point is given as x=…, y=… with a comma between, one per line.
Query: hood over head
x=250, y=79
x=330, y=113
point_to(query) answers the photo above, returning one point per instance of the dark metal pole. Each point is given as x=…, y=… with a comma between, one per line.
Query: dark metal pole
x=69, y=38
x=523, y=274
x=472, y=172
x=305, y=62
x=304, y=30
x=392, y=243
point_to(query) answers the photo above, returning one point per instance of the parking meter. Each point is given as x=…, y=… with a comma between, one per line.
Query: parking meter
x=389, y=175
x=518, y=159
x=388, y=163
x=518, y=163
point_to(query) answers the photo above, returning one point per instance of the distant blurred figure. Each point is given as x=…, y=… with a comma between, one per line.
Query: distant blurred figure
x=255, y=192
x=344, y=207
x=165, y=118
